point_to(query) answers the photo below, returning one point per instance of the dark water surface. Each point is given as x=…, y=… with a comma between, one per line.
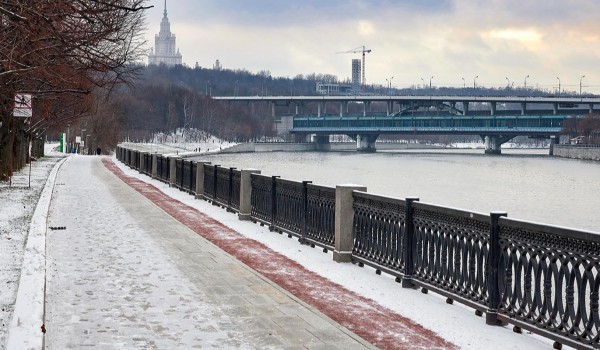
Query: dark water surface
x=528, y=184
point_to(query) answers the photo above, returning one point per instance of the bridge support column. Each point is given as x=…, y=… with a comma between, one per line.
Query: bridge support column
x=465, y=108
x=297, y=109
x=554, y=139
x=273, y=109
x=492, y=146
x=366, y=143
x=555, y=108
x=343, y=105
x=319, y=107
x=591, y=108
x=523, y=108
x=493, y=108
x=322, y=142
x=493, y=143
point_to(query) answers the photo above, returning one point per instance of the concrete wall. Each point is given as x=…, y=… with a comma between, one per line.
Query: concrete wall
x=303, y=147
x=568, y=151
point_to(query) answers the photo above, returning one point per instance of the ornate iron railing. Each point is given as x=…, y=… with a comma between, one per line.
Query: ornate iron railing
x=186, y=181
x=320, y=215
x=179, y=173
x=262, y=198
x=550, y=280
x=379, y=231
x=209, y=180
x=450, y=252
x=194, y=172
x=236, y=183
x=147, y=164
x=289, y=202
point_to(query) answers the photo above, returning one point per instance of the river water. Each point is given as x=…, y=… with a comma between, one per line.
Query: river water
x=527, y=184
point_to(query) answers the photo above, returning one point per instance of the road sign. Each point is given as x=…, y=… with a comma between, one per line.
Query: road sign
x=22, y=106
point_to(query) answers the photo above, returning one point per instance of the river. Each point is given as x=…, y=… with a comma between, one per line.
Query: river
x=527, y=184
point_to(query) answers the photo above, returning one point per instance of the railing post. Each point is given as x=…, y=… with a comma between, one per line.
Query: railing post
x=273, y=202
x=173, y=171
x=200, y=180
x=303, y=233
x=246, y=193
x=409, y=239
x=491, y=316
x=344, y=221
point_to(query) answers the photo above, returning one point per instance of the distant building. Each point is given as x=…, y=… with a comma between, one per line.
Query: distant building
x=217, y=65
x=333, y=89
x=164, y=50
x=356, y=75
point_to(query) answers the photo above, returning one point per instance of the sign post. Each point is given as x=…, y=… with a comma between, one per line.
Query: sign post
x=22, y=109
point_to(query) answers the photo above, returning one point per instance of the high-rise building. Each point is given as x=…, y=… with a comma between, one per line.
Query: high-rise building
x=164, y=50
x=356, y=75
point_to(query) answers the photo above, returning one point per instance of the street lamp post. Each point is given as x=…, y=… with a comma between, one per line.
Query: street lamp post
x=580, y=82
x=507, y=83
x=526, y=81
x=389, y=83
x=423, y=82
x=430, y=82
x=558, y=84
x=475, y=82
x=464, y=83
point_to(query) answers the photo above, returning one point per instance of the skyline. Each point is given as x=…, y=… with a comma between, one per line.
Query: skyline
x=448, y=40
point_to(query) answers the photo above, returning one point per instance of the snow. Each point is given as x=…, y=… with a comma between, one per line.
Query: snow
x=455, y=323
x=22, y=234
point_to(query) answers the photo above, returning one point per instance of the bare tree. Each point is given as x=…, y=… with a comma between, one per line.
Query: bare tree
x=55, y=48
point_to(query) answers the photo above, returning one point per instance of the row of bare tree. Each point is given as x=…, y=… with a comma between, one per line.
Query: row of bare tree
x=68, y=55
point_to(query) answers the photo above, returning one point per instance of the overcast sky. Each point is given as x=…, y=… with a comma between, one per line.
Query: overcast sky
x=410, y=39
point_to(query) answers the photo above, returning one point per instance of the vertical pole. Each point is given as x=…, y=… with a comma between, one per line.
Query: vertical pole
x=409, y=243
x=491, y=316
x=246, y=193
x=344, y=221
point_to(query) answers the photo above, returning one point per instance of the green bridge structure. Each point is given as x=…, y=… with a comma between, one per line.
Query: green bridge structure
x=495, y=120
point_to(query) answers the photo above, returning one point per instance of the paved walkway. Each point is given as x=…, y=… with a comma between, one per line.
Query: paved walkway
x=126, y=274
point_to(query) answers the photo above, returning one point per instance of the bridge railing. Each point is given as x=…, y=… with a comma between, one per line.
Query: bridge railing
x=537, y=277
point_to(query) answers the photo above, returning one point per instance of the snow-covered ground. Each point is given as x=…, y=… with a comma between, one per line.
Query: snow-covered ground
x=456, y=323
x=17, y=205
x=182, y=143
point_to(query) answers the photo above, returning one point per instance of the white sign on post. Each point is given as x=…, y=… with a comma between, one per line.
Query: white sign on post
x=22, y=106
x=77, y=139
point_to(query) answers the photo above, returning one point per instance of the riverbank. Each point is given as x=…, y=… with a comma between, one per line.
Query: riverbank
x=251, y=147
x=587, y=152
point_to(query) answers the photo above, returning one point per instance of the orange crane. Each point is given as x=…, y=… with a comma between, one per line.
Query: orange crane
x=363, y=50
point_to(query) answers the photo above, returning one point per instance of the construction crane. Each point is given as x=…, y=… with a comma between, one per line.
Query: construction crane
x=363, y=50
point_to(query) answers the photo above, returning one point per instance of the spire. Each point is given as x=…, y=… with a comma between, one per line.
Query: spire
x=165, y=13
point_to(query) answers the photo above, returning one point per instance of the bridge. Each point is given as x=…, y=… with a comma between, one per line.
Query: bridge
x=497, y=119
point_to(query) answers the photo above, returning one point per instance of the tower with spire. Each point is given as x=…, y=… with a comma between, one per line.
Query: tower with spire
x=164, y=50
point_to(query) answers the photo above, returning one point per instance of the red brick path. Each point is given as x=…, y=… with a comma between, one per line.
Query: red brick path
x=371, y=321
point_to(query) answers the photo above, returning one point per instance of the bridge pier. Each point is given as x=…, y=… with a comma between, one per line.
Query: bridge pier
x=322, y=142
x=493, y=143
x=366, y=143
